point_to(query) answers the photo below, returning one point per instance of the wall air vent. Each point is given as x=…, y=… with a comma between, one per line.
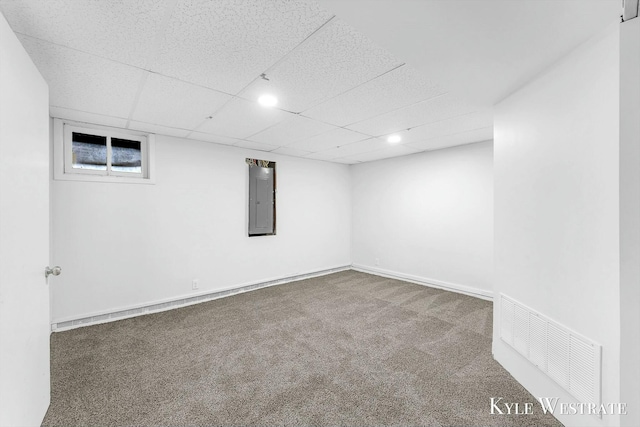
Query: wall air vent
x=569, y=359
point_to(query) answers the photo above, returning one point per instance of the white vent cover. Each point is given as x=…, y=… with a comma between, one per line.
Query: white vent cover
x=568, y=358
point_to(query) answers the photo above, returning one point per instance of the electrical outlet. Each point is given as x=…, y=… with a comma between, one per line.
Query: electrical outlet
x=377, y=261
x=195, y=284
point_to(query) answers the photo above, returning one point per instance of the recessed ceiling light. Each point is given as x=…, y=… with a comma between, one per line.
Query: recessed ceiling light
x=393, y=139
x=267, y=100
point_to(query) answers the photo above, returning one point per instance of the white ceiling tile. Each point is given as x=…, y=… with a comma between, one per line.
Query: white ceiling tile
x=394, y=151
x=319, y=156
x=288, y=151
x=332, y=139
x=162, y=130
x=94, y=55
x=217, y=139
x=485, y=49
x=432, y=110
x=295, y=128
x=256, y=146
x=359, y=147
x=241, y=119
x=121, y=30
x=335, y=59
x=171, y=102
x=225, y=44
x=84, y=117
x=84, y=82
x=476, y=135
x=398, y=88
x=466, y=122
x=345, y=160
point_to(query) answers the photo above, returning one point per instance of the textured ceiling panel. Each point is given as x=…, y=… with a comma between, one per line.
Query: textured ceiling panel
x=477, y=135
x=241, y=119
x=92, y=52
x=332, y=61
x=319, y=156
x=433, y=110
x=122, y=30
x=464, y=123
x=207, y=137
x=84, y=117
x=163, y=130
x=225, y=44
x=394, y=151
x=256, y=145
x=398, y=88
x=174, y=103
x=331, y=139
x=359, y=147
x=84, y=82
x=288, y=151
x=294, y=129
x=345, y=160
x=484, y=49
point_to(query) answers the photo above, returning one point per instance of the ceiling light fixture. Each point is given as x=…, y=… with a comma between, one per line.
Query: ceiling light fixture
x=268, y=100
x=394, y=139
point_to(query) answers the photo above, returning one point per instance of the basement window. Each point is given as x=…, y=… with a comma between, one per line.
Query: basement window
x=262, y=197
x=94, y=153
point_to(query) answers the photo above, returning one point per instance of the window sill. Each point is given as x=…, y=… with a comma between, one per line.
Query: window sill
x=103, y=178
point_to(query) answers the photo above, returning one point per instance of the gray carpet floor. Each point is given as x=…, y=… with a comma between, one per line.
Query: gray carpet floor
x=343, y=349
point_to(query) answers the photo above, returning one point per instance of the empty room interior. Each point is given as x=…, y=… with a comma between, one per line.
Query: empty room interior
x=297, y=212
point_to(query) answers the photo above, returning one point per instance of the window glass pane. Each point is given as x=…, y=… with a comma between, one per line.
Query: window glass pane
x=89, y=151
x=126, y=155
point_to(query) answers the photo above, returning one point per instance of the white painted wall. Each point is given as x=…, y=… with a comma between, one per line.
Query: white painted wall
x=556, y=212
x=427, y=217
x=123, y=245
x=630, y=219
x=24, y=236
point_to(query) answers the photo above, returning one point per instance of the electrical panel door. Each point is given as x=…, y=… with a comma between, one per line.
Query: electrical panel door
x=261, y=200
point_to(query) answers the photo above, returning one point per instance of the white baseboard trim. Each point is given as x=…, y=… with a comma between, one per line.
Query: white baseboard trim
x=65, y=324
x=432, y=283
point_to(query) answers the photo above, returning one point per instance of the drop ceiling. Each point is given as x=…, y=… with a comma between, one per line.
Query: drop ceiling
x=194, y=69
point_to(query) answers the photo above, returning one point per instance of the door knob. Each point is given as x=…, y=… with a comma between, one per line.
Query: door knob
x=55, y=271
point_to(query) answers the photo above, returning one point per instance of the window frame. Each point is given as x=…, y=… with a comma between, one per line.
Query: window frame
x=63, y=155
